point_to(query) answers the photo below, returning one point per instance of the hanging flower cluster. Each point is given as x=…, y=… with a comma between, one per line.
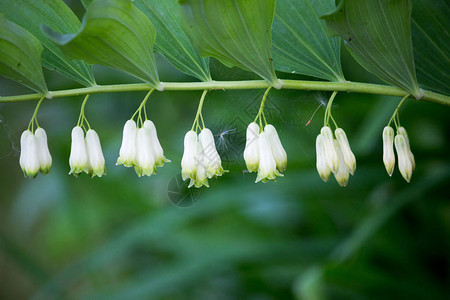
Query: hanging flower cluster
x=406, y=162
x=34, y=153
x=86, y=153
x=200, y=161
x=333, y=153
x=263, y=151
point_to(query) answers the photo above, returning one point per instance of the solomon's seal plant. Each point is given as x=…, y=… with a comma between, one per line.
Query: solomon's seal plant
x=248, y=34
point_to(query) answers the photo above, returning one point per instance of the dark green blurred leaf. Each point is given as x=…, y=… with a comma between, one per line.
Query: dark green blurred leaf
x=238, y=33
x=300, y=40
x=114, y=33
x=378, y=35
x=86, y=3
x=20, y=56
x=171, y=41
x=31, y=14
x=431, y=41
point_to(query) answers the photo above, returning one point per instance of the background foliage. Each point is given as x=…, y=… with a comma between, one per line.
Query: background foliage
x=122, y=237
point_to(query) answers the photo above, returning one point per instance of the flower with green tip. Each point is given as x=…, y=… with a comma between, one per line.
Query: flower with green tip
x=78, y=160
x=45, y=158
x=321, y=164
x=127, y=153
x=251, y=152
x=145, y=160
x=95, y=155
x=201, y=178
x=157, y=150
x=343, y=172
x=267, y=169
x=189, y=162
x=211, y=159
x=404, y=160
x=29, y=159
x=402, y=131
x=331, y=156
x=279, y=154
x=347, y=154
x=388, y=149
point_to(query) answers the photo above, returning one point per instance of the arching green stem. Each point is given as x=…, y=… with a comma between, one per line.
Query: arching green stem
x=199, y=111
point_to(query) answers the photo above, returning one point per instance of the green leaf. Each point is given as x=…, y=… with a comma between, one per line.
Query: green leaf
x=171, y=40
x=300, y=40
x=86, y=3
x=431, y=41
x=20, y=56
x=237, y=32
x=378, y=36
x=31, y=14
x=114, y=33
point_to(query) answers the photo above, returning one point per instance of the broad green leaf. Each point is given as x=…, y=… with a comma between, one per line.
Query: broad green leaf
x=378, y=35
x=31, y=14
x=20, y=56
x=431, y=41
x=114, y=33
x=86, y=3
x=171, y=40
x=300, y=41
x=237, y=32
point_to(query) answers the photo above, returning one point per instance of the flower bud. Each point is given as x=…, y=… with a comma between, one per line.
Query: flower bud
x=201, y=178
x=321, y=164
x=331, y=156
x=127, y=154
x=279, y=154
x=251, y=152
x=189, y=161
x=347, y=154
x=157, y=150
x=402, y=131
x=343, y=173
x=404, y=160
x=95, y=154
x=211, y=158
x=78, y=160
x=267, y=169
x=145, y=160
x=23, y=148
x=45, y=159
x=388, y=149
x=31, y=156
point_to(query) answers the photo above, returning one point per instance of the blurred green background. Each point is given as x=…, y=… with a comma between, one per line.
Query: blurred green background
x=124, y=237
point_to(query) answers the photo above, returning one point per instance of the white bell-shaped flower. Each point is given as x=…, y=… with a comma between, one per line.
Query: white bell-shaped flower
x=189, y=162
x=95, y=154
x=31, y=156
x=251, y=152
x=401, y=130
x=388, y=149
x=279, y=154
x=404, y=159
x=211, y=158
x=78, y=160
x=201, y=177
x=127, y=154
x=145, y=160
x=23, y=148
x=158, y=151
x=331, y=156
x=322, y=167
x=45, y=158
x=267, y=169
x=347, y=154
x=343, y=173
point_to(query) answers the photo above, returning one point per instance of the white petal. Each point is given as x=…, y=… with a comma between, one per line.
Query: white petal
x=23, y=148
x=267, y=169
x=31, y=158
x=145, y=161
x=388, y=149
x=349, y=157
x=343, y=173
x=78, y=160
x=45, y=158
x=95, y=154
x=321, y=164
x=189, y=163
x=251, y=152
x=201, y=178
x=127, y=154
x=404, y=161
x=158, y=151
x=278, y=151
x=211, y=158
x=331, y=156
x=401, y=130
